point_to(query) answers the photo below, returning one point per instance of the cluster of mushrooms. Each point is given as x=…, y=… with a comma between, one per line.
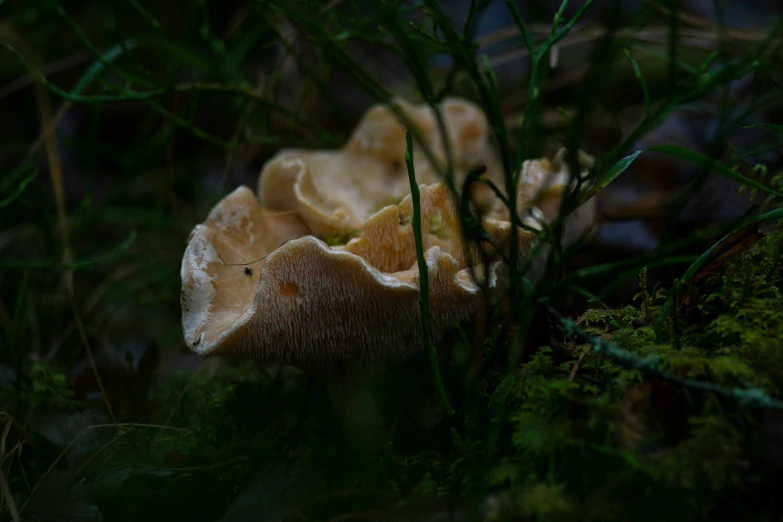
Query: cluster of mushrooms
x=318, y=268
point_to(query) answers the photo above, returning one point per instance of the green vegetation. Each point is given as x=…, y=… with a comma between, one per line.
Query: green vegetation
x=341, y=239
x=574, y=398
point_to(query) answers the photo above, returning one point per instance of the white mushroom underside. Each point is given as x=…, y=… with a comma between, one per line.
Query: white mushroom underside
x=340, y=312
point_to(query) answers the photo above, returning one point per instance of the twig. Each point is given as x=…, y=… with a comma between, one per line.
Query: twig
x=55, y=67
x=753, y=397
x=578, y=364
x=4, y=487
x=55, y=174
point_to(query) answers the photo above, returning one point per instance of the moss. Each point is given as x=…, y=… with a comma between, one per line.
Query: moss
x=437, y=228
x=342, y=238
x=49, y=387
x=388, y=202
x=610, y=425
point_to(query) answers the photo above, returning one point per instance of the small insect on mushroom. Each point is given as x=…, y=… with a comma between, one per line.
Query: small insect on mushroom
x=248, y=271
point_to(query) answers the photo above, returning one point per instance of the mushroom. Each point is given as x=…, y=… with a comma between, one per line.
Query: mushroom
x=544, y=182
x=235, y=299
x=264, y=278
x=304, y=303
x=387, y=240
x=335, y=192
x=255, y=284
x=220, y=266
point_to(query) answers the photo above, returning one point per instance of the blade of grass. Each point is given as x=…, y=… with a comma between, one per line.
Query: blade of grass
x=146, y=14
x=424, y=300
x=699, y=159
x=677, y=152
x=612, y=174
x=21, y=186
x=101, y=56
x=642, y=82
x=108, y=257
x=777, y=128
x=55, y=174
x=48, y=124
x=13, y=511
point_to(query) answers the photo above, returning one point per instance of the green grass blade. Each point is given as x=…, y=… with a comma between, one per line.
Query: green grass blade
x=612, y=174
x=777, y=128
x=637, y=71
x=97, y=67
x=699, y=159
x=108, y=257
x=19, y=188
x=424, y=299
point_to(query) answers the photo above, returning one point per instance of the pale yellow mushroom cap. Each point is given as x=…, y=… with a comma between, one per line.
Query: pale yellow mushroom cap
x=548, y=180
x=387, y=240
x=336, y=191
x=305, y=303
x=220, y=265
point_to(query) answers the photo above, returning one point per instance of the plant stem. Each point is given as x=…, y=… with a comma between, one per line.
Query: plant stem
x=424, y=299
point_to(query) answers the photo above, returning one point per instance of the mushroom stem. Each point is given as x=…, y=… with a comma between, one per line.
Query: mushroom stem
x=423, y=278
x=356, y=407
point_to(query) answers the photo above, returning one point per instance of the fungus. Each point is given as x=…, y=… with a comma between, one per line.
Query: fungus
x=218, y=274
x=340, y=304
x=337, y=191
x=321, y=271
x=309, y=305
x=387, y=239
x=545, y=182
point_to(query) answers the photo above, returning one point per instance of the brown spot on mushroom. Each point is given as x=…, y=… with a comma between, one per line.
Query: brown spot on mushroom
x=289, y=289
x=248, y=271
